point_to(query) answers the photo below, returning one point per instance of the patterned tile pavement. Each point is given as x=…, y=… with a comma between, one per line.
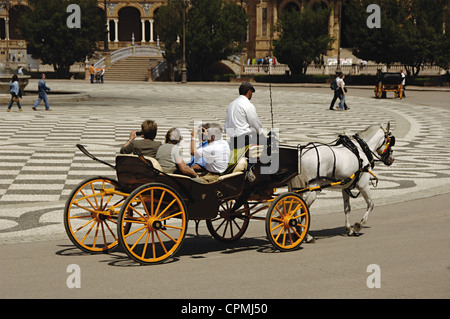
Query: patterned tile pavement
x=40, y=164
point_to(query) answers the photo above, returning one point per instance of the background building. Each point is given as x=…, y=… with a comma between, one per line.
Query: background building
x=133, y=20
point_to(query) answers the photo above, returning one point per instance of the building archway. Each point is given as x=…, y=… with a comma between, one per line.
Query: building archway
x=290, y=6
x=129, y=24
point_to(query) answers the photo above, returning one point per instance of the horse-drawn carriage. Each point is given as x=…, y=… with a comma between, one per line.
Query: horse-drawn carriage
x=389, y=82
x=147, y=211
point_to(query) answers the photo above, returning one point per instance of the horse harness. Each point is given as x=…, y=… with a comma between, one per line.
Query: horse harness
x=346, y=142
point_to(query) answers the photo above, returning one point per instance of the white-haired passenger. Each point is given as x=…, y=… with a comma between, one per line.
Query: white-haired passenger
x=216, y=153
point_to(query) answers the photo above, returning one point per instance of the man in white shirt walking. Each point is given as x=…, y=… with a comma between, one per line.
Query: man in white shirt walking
x=241, y=123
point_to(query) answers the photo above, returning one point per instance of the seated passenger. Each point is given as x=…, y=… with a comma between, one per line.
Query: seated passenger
x=216, y=153
x=199, y=163
x=147, y=145
x=170, y=157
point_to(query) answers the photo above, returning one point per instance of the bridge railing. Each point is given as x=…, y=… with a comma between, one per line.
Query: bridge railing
x=140, y=50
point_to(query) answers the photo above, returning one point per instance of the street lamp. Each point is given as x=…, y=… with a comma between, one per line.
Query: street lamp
x=183, y=61
x=338, y=69
x=106, y=46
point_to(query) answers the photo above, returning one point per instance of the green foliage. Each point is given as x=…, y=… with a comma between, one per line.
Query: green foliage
x=169, y=26
x=215, y=30
x=304, y=36
x=44, y=26
x=411, y=33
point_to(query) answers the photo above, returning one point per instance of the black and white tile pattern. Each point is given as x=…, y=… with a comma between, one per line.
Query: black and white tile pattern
x=40, y=164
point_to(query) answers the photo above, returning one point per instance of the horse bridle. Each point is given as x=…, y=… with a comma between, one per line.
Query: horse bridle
x=389, y=141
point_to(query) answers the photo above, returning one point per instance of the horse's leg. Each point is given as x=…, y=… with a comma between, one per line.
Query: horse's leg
x=347, y=209
x=365, y=192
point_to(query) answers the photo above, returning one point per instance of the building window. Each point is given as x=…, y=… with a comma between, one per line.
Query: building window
x=264, y=22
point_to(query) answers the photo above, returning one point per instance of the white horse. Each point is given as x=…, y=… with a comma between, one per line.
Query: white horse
x=322, y=164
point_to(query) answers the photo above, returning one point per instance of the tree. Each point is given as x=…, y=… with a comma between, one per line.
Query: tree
x=169, y=27
x=50, y=39
x=411, y=33
x=304, y=36
x=214, y=31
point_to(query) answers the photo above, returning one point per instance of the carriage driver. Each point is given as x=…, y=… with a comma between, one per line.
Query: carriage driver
x=241, y=123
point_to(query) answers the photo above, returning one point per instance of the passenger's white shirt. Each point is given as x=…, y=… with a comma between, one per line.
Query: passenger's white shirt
x=217, y=155
x=241, y=118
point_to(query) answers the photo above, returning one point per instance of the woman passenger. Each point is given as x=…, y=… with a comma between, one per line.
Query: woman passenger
x=170, y=157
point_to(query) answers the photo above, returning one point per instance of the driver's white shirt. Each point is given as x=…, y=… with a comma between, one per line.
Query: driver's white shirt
x=241, y=118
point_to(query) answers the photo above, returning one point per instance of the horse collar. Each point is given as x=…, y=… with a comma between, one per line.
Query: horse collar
x=365, y=149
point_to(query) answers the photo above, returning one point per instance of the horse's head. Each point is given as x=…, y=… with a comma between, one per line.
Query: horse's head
x=385, y=150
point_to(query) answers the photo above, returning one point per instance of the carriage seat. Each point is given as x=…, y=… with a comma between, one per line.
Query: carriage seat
x=239, y=168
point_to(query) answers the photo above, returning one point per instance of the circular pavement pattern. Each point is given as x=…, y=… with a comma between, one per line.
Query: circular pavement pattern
x=41, y=165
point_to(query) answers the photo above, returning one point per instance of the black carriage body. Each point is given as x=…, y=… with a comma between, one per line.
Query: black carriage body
x=390, y=78
x=203, y=199
x=282, y=167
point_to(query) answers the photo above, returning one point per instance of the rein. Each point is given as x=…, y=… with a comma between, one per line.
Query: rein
x=369, y=154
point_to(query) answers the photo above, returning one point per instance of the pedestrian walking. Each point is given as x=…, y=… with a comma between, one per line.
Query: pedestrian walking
x=102, y=75
x=335, y=88
x=342, y=93
x=403, y=82
x=339, y=91
x=15, y=92
x=92, y=73
x=42, y=94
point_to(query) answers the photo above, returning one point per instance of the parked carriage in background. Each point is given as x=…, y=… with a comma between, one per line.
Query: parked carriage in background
x=389, y=82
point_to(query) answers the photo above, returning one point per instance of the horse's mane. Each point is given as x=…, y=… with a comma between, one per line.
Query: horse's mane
x=369, y=132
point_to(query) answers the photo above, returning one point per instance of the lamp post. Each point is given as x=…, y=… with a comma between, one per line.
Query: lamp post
x=106, y=46
x=338, y=69
x=183, y=61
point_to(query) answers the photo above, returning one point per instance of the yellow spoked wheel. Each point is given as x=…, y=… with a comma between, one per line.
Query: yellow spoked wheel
x=229, y=226
x=91, y=212
x=287, y=221
x=378, y=92
x=152, y=223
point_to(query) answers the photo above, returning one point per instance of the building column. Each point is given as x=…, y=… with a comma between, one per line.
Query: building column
x=151, y=30
x=108, y=29
x=116, y=30
x=7, y=28
x=143, y=30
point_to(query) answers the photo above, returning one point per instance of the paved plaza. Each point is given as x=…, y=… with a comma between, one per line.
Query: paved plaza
x=40, y=164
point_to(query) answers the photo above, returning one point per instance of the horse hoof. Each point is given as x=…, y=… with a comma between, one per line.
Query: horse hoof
x=357, y=227
x=310, y=239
